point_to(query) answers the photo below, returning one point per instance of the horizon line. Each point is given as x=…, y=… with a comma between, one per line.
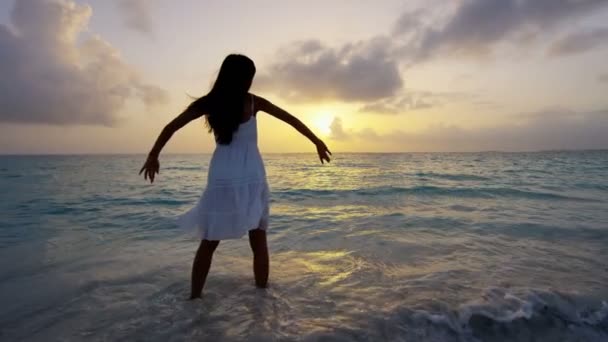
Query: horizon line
x=338, y=152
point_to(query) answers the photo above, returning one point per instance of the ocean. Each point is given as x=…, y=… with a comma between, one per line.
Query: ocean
x=371, y=247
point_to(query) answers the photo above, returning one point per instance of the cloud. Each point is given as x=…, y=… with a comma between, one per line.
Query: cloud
x=137, y=15
x=411, y=100
x=368, y=71
x=546, y=130
x=579, y=42
x=48, y=77
x=477, y=25
x=410, y=22
x=309, y=70
x=603, y=78
x=337, y=131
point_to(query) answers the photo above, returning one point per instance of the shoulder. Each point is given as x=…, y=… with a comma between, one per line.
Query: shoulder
x=200, y=105
x=260, y=103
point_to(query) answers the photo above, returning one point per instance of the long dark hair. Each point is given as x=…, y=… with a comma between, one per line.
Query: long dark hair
x=225, y=101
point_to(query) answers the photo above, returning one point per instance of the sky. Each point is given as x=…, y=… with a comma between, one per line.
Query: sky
x=105, y=76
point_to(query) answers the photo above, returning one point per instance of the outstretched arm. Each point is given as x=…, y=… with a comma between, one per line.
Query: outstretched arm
x=279, y=113
x=151, y=166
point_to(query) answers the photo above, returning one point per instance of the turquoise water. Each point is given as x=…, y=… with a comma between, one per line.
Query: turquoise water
x=437, y=247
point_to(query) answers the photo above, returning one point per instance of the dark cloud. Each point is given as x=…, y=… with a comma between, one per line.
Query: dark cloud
x=137, y=15
x=477, y=25
x=47, y=77
x=552, y=129
x=359, y=71
x=579, y=42
x=368, y=71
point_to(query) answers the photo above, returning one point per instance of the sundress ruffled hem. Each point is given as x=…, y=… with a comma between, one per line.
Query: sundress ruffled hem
x=212, y=218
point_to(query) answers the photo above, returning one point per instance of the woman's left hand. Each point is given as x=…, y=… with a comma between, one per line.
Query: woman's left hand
x=150, y=168
x=323, y=151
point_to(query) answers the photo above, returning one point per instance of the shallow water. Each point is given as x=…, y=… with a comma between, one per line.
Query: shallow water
x=436, y=247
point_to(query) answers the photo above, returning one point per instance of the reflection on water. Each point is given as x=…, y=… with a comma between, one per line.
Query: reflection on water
x=444, y=247
x=328, y=266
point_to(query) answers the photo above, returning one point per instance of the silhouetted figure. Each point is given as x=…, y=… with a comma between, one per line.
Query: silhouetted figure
x=236, y=198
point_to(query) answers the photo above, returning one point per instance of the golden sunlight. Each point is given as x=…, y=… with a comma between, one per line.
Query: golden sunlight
x=322, y=122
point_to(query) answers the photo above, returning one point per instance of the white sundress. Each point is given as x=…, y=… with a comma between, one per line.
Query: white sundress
x=236, y=198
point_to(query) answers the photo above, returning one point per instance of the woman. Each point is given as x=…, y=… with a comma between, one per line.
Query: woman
x=236, y=199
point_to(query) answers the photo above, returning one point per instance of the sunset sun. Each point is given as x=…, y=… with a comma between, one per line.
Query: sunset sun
x=322, y=123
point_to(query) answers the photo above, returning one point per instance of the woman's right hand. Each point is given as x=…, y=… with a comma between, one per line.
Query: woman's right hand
x=150, y=168
x=323, y=151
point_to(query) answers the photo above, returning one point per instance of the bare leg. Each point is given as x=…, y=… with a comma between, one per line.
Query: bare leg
x=257, y=240
x=201, y=265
